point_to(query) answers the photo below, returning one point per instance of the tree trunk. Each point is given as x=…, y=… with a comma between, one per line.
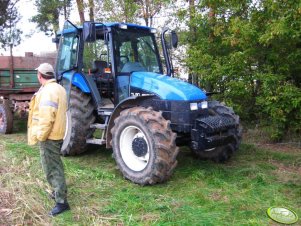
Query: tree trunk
x=211, y=21
x=11, y=67
x=80, y=7
x=192, y=31
x=91, y=10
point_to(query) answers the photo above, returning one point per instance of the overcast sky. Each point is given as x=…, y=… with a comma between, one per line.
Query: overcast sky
x=38, y=42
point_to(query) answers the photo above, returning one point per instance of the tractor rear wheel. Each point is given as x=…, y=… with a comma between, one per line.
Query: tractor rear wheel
x=223, y=153
x=80, y=116
x=6, y=118
x=144, y=146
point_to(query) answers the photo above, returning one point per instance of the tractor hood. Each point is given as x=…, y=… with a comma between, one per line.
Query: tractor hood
x=167, y=88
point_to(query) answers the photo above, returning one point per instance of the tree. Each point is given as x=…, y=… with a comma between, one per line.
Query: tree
x=148, y=9
x=3, y=12
x=117, y=10
x=91, y=10
x=131, y=10
x=10, y=35
x=81, y=10
x=49, y=11
x=250, y=52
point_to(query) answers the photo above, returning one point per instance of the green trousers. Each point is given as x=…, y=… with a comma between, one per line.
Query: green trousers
x=54, y=168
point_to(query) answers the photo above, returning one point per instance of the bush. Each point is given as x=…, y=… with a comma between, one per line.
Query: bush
x=280, y=103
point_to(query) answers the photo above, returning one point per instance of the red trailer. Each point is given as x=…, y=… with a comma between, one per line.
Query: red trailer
x=18, y=82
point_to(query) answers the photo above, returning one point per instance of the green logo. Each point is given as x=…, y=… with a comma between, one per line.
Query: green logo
x=282, y=215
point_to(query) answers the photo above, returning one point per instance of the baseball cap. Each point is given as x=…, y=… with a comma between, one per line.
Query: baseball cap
x=46, y=69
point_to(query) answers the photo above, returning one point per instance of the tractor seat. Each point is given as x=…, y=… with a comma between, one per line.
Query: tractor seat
x=104, y=80
x=98, y=67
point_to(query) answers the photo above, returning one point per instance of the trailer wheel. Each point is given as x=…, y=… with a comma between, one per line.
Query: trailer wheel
x=80, y=116
x=6, y=118
x=223, y=153
x=144, y=146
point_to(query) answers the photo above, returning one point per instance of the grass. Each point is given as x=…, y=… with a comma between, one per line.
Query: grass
x=199, y=192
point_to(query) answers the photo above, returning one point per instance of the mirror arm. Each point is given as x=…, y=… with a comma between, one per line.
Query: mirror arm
x=174, y=39
x=166, y=54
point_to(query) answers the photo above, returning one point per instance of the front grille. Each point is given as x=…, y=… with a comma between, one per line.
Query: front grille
x=217, y=123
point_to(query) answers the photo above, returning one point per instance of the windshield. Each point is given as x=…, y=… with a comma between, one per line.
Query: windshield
x=136, y=51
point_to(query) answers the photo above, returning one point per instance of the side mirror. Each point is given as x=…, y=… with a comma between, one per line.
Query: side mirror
x=56, y=40
x=89, y=33
x=174, y=39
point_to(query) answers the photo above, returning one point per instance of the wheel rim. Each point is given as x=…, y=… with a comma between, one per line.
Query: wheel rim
x=133, y=161
x=67, y=126
x=67, y=134
x=1, y=120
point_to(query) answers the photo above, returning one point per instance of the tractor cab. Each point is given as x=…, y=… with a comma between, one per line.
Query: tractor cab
x=107, y=54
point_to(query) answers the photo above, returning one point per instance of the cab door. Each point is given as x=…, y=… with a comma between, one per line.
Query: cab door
x=67, y=58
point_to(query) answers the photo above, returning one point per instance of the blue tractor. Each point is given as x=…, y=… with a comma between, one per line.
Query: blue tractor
x=114, y=79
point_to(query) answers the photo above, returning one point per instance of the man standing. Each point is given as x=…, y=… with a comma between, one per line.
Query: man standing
x=46, y=126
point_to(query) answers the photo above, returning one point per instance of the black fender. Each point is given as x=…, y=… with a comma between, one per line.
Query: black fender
x=130, y=102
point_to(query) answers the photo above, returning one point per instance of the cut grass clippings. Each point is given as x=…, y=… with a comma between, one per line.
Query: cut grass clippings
x=199, y=193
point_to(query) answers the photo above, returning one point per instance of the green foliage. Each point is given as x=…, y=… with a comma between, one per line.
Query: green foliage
x=281, y=103
x=47, y=18
x=4, y=14
x=118, y=10
x=130, y=11
x=251, y=53
x=149, y=9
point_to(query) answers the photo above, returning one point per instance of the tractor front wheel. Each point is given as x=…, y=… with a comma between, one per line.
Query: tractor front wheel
x=80, y=116
x=144, y=146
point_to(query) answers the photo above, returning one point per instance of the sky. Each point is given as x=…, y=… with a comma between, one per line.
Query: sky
x=38, y=42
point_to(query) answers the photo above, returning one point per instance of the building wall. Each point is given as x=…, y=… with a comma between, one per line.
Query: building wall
x=29, y=61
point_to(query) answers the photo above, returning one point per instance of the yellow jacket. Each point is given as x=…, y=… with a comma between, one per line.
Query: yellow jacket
x=47, y=113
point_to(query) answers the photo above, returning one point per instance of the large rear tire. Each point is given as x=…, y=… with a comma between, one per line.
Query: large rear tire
x=6, y=118
x=80, y=116
x=225, y=152
x=144, y=146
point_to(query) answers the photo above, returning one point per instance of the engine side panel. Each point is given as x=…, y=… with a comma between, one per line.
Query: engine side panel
x=165, y=87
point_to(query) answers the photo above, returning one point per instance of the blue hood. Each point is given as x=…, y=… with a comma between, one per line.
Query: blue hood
x=165, y=87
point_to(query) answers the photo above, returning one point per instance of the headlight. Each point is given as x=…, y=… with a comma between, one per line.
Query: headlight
x=204, y=105
x=123, y=26
x=193, y=106
x=153, y=30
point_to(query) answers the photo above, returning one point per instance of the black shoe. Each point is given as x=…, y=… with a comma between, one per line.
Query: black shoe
x=59, y=208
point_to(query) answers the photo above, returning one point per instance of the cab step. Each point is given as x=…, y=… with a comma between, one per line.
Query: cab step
x=98, y=126
x=103, y=128
x=96, y=141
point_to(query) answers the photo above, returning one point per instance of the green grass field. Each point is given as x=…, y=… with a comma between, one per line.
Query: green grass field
x=199, y=192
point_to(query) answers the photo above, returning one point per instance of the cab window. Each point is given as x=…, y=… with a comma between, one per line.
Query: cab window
x=67, y=57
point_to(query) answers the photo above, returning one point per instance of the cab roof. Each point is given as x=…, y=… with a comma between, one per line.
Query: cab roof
x=72, y=29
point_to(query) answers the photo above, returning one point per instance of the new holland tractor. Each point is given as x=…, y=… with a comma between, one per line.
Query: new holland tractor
x=115, y=83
